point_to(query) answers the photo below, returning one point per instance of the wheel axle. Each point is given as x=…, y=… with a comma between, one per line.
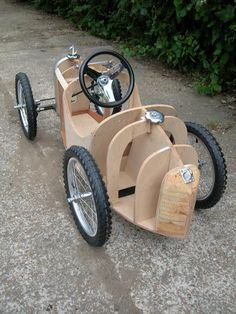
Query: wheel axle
x=19, y=106
x=44, y=108
x=78, y=197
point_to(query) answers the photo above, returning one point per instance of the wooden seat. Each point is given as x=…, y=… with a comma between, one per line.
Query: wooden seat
x=84, y=124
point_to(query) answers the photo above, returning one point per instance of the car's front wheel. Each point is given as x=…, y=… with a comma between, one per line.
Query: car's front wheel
x=26, y=105
x=87, y=196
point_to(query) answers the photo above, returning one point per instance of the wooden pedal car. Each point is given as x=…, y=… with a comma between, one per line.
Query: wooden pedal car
x=144, y=162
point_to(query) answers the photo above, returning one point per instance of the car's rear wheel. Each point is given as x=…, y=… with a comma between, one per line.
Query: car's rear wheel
x=87, y=196
x=26, y=105
x=211, y=162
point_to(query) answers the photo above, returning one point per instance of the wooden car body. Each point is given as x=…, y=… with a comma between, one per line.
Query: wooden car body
x=142, y=163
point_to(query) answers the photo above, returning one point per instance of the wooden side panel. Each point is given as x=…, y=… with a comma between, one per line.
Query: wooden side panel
x=80, y=102
x=65, y=64
x=175, y=160
x=61, y=79
x=72, y=135
x=145, y=145
x=148, y=184
x=60, y=85
x=59, y=90
x=58, y=95
x=125, y=207
x=69, y=73
x=106, y=131
x=176, y=203
x=115, y=152
x=134, y=100
x=84, y=124
x=177, y=128
x=187, y=154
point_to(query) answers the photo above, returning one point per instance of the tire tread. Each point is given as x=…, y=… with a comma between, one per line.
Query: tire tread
x=99, y=193
x=30, y=105
x=218, y=161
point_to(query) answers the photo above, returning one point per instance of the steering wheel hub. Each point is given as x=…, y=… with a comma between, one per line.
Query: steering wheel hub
x=103, y=80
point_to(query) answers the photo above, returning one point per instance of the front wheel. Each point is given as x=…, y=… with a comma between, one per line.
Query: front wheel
x=211, y=163
x=87, y=196
x=26, y=105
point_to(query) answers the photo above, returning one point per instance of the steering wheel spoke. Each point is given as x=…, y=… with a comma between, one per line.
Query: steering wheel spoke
x=93, y=74
x=115, y=71
x=108, y=94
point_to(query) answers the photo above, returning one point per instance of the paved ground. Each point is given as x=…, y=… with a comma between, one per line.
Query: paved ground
x=45, y=266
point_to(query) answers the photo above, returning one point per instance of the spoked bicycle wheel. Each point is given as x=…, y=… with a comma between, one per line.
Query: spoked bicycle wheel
x=87, y=196
x=26, y=105
x=211, y=163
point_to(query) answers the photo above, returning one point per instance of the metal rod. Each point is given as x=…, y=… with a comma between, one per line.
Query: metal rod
x=19, y=106
x=78, y=197
x=44, y=99
x=76, y=94
x=44, y=108
x=80, y=92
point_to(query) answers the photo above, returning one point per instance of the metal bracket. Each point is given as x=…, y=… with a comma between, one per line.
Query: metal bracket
x=187, y=175
x=73, y=53
x=19, y=106
x=44, y=108
x=40, y=107
x=154, y=116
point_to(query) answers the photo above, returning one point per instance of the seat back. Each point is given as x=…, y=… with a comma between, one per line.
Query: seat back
x=106, y=131
x=79, y=102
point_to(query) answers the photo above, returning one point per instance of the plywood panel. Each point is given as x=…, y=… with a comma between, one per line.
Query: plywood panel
x=84, y=124
x=175, y=160
x=125, y=181
x=115, y=152
x=177, y=128
x=107, y=130
x=72, y=135
x=81, y=101
x=143, y=146
x=176, y=203
x=149, y=182
x=65, y=64
x=61, y=79
x=71, y=73
x=125, y=207
x=187, y=153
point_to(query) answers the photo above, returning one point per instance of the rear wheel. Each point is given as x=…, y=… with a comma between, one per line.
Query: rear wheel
x=117, y=95
x=211, y=163
x=26, y=105
x=87, y=196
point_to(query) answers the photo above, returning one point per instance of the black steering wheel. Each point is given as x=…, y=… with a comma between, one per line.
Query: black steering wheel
x=100, y=89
